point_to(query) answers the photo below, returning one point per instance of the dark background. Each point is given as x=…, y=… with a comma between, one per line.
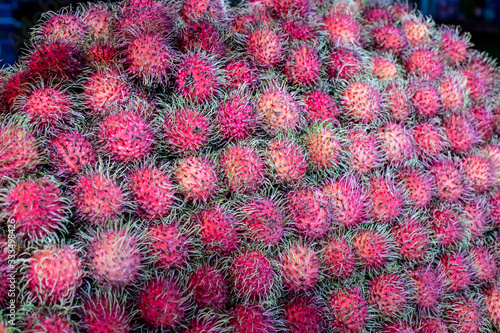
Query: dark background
x=480, y=17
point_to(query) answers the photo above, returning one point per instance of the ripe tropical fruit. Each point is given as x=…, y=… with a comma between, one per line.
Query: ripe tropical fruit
x=280, y=165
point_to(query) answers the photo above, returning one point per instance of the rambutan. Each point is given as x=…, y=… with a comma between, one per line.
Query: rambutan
x=432, y=325
x=397, y=102
x=299, y=29
x=417, y=31
x=143, y=18
x=476, y=217
x=478, y=172
x=302, y=65
x=425, y=100
x=54, y=274
x=105, y=313
x=450, y=181
x=309, y=211
x=161, y=303
x=430, y=140
x=464, y=315
x=457, y=271
x=418, y=186
x=99, y=19
x=67, y=27
x=196, y=178
x=193, y=9
x=239, y=73
x=236, y=119
x=349, y=310
x=452, y=92
x=384, y=68
x=342, y=28
x=461, y=133
x=395, y=143
x=18, y=151
x=363, y=151
x=319, y=107
x=303, y=315
x=483, y=264
x=300, y=267
x=202, y=35
x=344, y=64
x=248, y=318
x=323, y=148
x=373, y=248
x=492, y=305
x=446, y=224
x=385, y=199
x=388, y=38
x=187, y=130
x=265, y=46
x=429, y=287
x=339, y=258
x=286, y=161
x=389, y=294
x=278, y=111
x=361, y=102
x=424, y=63
x=170, y=246
x=218, y=229
x=197, y=78
x=243, y=168
x=453, y=47
x=412, y=239
x=348, y=200
x=210, y=289
x=50, y=323
x=252, y=275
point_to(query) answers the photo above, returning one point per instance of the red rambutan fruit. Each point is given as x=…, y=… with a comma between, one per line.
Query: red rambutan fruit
x=373, y=248
x=104, y=313
x=105, y=91
x=461, y=133
x=389, y=294
x=361, y=102
x=193, y=9
x=492, y=305
x=483, y=265
x=432, y=325
x=395, y=143
x=197, y=78
x=239, y=73
x=424, y=63
x=384, y=68
x=452, y=92
x=210, y=289
x=412, y=239
x=37, y=207
x=425, y=100
x=478, y=172
x=429, y=287
x=300, y=267
x=265, y=46
x=278, y=111
x=18, y=151
x=323, y=148
x=66, y=27
x=196, y=178
x=342, y=28
x=70, y=153
x=418, y=186
x=236, y=119
x=446, y=225
x=397, y=102
x=483, y=122
x=319, y=107
x=339, y=258
x=430, y=140
x=144, y=18
x=54, y=274
x=417, y=31
x=299, y=29
x=363, y=151
x=450, y=181
x=99, y=20
x=453, y=47
x=50, y=323
x=385, y=199
x=218, y=229
x=248, y=318
x=161, y=303
x=286, y=161
x=388, y=38
x=187, y=131
x=348, y=199
x=252, y=275
x=302, y=65
x=349, y=310
x=464, y=315
x=303, y=315
x=202, y=35
x=457, y=271
x=169, y=246
x=344, y=64
x=309, y=211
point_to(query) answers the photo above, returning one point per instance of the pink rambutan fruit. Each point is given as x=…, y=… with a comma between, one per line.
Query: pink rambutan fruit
x=67, y=27
x=389, y=294
x=264, y=220
x=6, y=272
x=492, y=304
x=236, y=119
x=432, y=325
x=12, y=86
x=398, y=102
x=187, y=130
x=416, y=30
x=144, y=18
x=339, y=258
x=453, y=47
x=152, y=192
x=54, y=274
x=239, y=73
x=447, y=226
x=342, y=28
x=460, y=132
x=425, y=99
x=478, y=172
x=464, y=315
x=456, y=269
x=278, y=111
x=319, y=107
x=388, y=38
x=204, y=325
x=375, y=13
x=452, y=92
x=395, y=143
x=99, y=19
x=430, y=140
x=197, y=78
x=344, y=64
x=483, y=264
x=483, y=121
x=309, y=211
x=323, y=148
x=293, y=8
x=347, y=198
x=418, y=186
x=47, y=107
x=386, y=200
x=161, y=303
x=126, y=136
x=429, y=287
x=248, y=318
x=218, y=229
x=70, y=153
x=349, y=310
x=50, y=323
x=105, y=91
x=102, y=54
x=303, y=315
x=373, y=248
x=265, y=46
x=384, y=68
x=170, y=245
x=196, y=178
x=450, y=181
x=210, y=289
x=98, y=198
x=115, y=258
x=302, y=65
x=252, y=275
x=412, y=239
x=36, y=207
x=56, y=60
x=243, y=168
x=286, y=161
x=300, y=267
x=363, y=151
x=149, y=58
x=202, y=35
x=399, y=326
x=476, y=217
x=424, y=63
x=193, y=9
x=103, y=313
x=361, y=102
x=299, y=29
x=18, y=151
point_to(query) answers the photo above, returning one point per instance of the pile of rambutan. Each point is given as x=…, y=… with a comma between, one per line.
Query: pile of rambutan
x=279, y=166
